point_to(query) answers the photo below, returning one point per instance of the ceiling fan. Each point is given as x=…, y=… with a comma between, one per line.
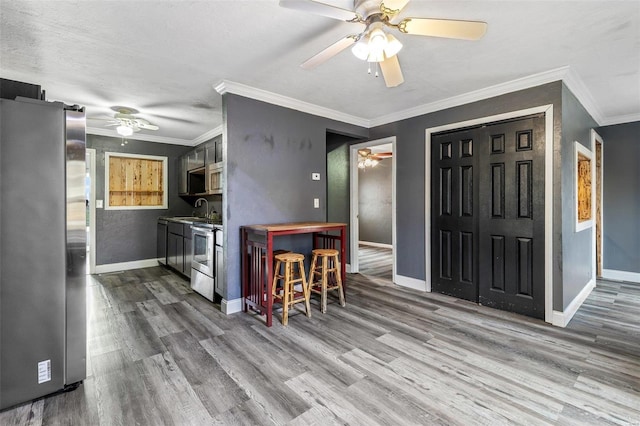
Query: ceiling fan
x=366, y=158
x=127, y=123
x=374, y=43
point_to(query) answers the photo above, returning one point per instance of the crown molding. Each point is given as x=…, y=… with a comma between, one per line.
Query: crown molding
x=207, y=135
x=477, y=95
x=569, y=77
x=227, y=86
x=159, y=139
x=620, y=119
x=582, y=93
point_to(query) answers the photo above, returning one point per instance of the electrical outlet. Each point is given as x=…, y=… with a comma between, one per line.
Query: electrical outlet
x=315, y=176
x=316, y=203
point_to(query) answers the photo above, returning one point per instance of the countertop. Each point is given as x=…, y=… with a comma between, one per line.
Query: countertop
x=194, y=220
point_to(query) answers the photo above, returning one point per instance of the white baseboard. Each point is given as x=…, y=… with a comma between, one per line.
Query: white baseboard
x=561, y=319
x=611, y=274
x=372, y=244
x=229, y=307
x=409, y=282
x=125, y=266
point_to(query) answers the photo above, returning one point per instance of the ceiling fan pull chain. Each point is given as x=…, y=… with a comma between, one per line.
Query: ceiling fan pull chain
x=377, y=68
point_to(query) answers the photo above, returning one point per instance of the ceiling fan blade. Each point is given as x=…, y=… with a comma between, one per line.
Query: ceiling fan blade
x=147, y=126
x=392, y=7
x=391, y=71
x=449, y=28
x=321, y=9
x=383, y=155
x=329, y=52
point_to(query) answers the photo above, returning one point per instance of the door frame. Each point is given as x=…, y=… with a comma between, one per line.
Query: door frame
x=354, y=234
x=595, y=140
x=548, y=192
x=91, y=154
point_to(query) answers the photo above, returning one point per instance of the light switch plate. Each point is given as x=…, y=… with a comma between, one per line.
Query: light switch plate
x=315, y=176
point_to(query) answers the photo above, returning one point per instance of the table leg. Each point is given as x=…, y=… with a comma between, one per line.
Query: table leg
x=343, y=253
x=269, y=273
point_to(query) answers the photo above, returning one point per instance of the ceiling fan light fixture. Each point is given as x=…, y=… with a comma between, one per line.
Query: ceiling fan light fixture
x=124, y=130
x=377, y=44
x=393, y=46
x=361, y=48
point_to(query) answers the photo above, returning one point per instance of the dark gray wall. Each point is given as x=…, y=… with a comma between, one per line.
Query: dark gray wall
x=577, y=261
x=271, y=152
x=621, y=197
x=410, y=173
x=338, y=180
x=375, y=202
x=128, y=235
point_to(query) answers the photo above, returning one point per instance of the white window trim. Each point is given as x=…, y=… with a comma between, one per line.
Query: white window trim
x=165, y=181
x=585, y=152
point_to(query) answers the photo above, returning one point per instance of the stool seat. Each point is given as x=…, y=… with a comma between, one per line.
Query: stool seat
x=325, y=252
x=326, y=276
x=290, y=257
x=286, y=292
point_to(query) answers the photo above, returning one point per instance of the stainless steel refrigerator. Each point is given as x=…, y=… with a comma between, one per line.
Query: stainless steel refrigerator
x=42, y=249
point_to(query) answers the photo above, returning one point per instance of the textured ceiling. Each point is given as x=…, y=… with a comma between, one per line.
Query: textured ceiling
x=165, y=57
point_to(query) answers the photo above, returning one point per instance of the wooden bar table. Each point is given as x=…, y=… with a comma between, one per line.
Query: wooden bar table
x=257, y=257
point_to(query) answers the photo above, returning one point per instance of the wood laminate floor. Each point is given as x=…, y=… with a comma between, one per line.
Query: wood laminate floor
x=375, y=262
x=160, y=354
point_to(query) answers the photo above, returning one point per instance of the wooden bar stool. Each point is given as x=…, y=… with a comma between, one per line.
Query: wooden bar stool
x=325, y=276
x=287, y=294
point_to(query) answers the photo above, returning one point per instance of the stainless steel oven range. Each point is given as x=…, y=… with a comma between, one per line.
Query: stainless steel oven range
x=203, y=261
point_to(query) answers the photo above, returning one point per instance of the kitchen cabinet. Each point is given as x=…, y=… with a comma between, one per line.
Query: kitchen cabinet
x=187, y=249
x=213, y=151
x=183, y=182
x=161, y=247
x=200, y=170
x=195, y=158
x=175, y=246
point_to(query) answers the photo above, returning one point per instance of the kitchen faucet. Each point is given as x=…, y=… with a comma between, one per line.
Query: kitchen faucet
x=199, y=203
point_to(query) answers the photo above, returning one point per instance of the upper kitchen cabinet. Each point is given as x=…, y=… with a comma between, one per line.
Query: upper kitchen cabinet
x=183, y=182
x=195, y=158
x=200, y=169
x=213, y=150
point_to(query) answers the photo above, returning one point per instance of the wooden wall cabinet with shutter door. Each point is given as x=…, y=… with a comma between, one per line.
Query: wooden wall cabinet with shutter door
x=135, y=181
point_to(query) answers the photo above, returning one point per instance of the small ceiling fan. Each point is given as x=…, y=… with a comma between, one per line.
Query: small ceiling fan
x=374, y=43
x=127, y=123
x=366, y=158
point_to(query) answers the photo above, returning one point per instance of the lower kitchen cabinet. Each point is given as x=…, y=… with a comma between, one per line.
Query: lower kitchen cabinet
x=175, y=246
x=188, y=255
x=175, y=252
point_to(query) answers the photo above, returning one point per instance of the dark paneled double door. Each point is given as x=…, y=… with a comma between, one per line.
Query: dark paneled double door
x=487, y=230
